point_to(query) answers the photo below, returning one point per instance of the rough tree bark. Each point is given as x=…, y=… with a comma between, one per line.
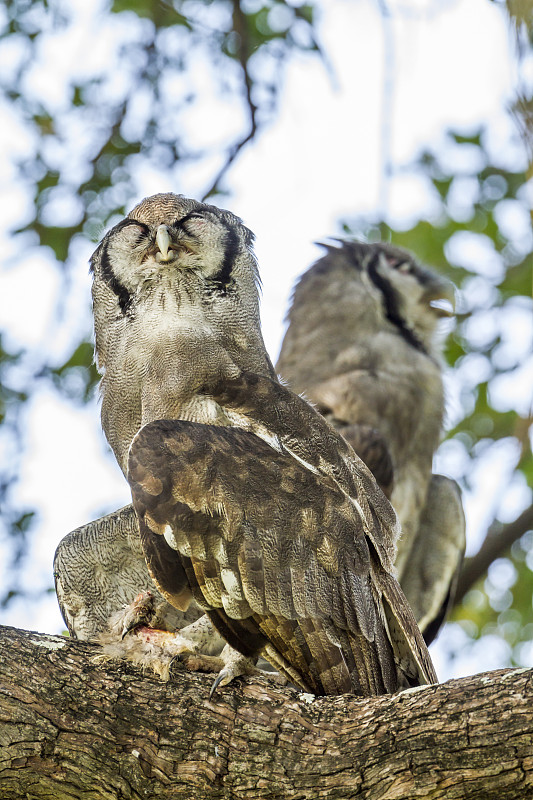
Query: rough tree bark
x=72, y=729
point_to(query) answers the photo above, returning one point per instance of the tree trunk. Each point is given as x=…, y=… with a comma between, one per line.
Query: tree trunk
x=72, y=729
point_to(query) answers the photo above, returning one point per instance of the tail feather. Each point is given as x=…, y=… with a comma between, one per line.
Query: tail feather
x=288, y=645
x=367, y=675
x=411, y=653
x=328, y=656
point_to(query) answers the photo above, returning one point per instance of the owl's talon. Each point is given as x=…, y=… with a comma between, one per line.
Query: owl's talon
x=235, y=665
x=128, y=629
x=218, y=681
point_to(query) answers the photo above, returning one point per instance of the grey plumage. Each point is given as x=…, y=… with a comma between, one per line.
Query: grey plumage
x=363, y=345
x=149, y=369
x=99, y=569
x=90, y=589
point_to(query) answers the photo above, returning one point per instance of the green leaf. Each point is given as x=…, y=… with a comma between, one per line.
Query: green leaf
x=518, y=279
x=81, y=357
x=465, y=139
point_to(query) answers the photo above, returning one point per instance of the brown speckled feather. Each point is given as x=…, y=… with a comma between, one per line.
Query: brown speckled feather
x=278, y=548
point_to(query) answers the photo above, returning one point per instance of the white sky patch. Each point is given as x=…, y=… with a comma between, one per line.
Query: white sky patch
x=477, y=253
x=469, y=658
x=514, y=389
x=30, y=283
x=66, y=474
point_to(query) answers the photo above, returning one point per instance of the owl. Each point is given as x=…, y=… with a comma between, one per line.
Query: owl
x=249, y=503
x=102, y=582
x=363, y=343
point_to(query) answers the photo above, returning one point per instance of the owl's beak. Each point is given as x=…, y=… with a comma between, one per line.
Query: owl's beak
x=162, y=239
x=440, y=296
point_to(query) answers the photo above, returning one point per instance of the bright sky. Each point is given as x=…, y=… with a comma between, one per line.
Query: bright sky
x=318, y=163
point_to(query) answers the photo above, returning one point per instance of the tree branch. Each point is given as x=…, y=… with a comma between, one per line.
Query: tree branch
x=240, y=26
x=72, y=729
x=499, y=539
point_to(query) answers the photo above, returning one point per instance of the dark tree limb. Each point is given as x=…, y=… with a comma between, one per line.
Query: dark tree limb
x=498, y=540
x=72, y=729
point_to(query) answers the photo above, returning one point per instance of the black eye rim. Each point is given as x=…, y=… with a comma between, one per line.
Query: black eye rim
x=127, y=222
x=181, y=224
x=222, y=281
x=391, y=303
x=191, y=215
x=403, y=265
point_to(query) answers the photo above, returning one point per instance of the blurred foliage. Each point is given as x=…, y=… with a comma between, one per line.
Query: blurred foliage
x=137, y=106
x=501, y=604
x=521, y=14
x=78, y=376
x=494, y=273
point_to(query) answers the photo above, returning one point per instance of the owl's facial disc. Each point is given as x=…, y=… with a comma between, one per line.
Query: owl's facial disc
x=180, y=248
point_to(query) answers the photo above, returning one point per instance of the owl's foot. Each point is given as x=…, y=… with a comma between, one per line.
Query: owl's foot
x=135, y=635
x=213, y=655
x=234, y=664
x=230, y=664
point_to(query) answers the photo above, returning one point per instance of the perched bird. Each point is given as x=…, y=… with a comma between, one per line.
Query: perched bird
x=363, y=344
x=248, y=501
x=99, y=569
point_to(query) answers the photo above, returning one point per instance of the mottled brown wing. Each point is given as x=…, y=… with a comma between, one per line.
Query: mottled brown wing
x=278, y=555
x=307, y=436
x=303, y=431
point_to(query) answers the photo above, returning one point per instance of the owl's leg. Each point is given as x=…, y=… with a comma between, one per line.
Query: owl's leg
x=229, y=665
x=200, y=648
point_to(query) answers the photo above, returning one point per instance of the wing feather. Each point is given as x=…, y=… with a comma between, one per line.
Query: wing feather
x=318, y=445
x=289, y=557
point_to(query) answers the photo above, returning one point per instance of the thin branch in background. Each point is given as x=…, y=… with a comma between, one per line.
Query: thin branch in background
x=498, y=540
x=232, y=155
x=240, y=26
